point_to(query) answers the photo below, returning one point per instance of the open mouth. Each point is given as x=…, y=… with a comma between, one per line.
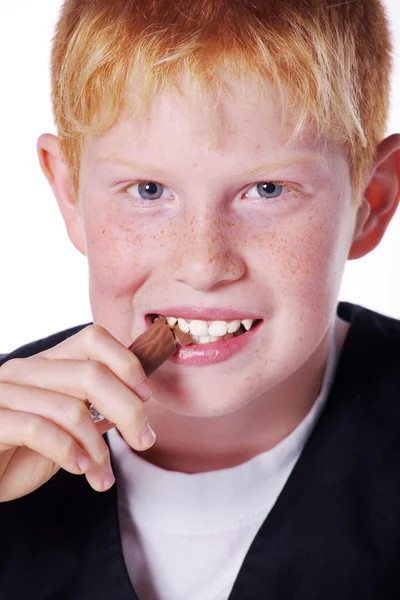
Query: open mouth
x=206, y=332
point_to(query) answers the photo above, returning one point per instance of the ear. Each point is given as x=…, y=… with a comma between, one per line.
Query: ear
x=57, y=173
x=381, y=199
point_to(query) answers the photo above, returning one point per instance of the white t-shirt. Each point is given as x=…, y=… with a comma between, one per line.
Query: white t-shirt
x=185, y=536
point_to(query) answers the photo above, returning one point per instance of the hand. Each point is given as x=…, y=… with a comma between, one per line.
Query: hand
x=45, y=424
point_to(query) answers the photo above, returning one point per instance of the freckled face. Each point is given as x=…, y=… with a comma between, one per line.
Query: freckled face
x=208, y=231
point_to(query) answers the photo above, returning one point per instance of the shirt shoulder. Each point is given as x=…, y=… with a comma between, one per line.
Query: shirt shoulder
x=372, y=336
x=365, y=396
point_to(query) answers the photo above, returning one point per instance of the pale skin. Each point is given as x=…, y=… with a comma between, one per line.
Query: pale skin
x=210, y=241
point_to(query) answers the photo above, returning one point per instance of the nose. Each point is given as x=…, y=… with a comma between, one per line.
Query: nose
x=208, y=253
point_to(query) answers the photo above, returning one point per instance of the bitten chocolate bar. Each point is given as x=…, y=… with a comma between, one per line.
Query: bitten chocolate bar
x=157, y=344
x=153, y=347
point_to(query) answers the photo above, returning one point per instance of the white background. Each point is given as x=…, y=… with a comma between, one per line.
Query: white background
x=44, y=279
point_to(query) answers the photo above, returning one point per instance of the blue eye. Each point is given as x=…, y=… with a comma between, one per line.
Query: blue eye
x=147, y=191
x=150, y=190
x=267, y=190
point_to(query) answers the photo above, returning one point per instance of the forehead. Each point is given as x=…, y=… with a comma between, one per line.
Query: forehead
x=242, y=114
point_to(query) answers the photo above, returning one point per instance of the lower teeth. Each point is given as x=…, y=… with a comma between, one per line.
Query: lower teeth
x=208, y=339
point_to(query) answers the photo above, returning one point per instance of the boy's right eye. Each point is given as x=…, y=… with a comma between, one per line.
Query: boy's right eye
x=148, y=190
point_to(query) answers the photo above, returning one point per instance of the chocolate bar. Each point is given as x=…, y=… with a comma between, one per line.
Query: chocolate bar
x=153, y=347
x=157, y=344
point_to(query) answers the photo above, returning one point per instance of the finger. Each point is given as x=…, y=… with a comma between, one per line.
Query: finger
x=19, y=428
x=97, y=344
x=66, y=412
x=81, y=380
x=36, y=433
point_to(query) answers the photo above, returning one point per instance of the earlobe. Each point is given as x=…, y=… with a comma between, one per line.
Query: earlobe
x=381, y=199
x=57, y=174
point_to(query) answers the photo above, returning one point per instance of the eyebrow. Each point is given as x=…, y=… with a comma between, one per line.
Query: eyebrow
x=306, y=160
x=311, y=161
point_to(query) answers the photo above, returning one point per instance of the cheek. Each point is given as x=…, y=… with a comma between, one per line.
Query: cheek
x=303, y=255
x=120, y=251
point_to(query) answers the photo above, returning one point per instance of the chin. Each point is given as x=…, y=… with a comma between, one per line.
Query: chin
x=199, y=398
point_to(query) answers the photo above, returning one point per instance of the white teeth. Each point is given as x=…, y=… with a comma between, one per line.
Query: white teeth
x=214, y=338
x=219, y=328
x=234, y=326
x=199, y=328
x=205, y=339
x=183, y=326
x=247, y=323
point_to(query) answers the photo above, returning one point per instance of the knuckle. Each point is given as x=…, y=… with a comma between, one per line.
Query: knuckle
x=96, y=371
x=67, y=451
x=92, y=334
x=104, y=454
x=8, y=368
x=137, y=418
x=132, y=368
x=77, y=413
x=35, y=427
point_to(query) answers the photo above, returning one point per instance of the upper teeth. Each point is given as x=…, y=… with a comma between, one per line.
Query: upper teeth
x=214, y=329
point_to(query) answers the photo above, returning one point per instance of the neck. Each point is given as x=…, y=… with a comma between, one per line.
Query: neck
x=196, y=445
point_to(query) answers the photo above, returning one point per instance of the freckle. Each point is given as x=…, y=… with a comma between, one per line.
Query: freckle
x=211, y=260
x=104, y=231
x=162, y=231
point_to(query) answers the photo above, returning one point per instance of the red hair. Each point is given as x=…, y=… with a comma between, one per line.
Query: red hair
x=332, y=59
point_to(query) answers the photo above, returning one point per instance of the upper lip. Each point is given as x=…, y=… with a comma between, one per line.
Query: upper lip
x=205, y=314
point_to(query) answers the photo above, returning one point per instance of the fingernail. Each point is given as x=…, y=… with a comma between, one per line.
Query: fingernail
x=144, y=391
x=84, y=462
x=108, y=481
x=148, y=437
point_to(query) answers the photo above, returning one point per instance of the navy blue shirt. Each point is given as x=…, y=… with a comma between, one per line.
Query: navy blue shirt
x=333, y=533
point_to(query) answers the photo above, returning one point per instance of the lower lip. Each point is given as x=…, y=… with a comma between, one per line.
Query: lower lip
x=199, y=355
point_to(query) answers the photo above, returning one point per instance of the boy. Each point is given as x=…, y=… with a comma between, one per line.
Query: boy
x=217, y=163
